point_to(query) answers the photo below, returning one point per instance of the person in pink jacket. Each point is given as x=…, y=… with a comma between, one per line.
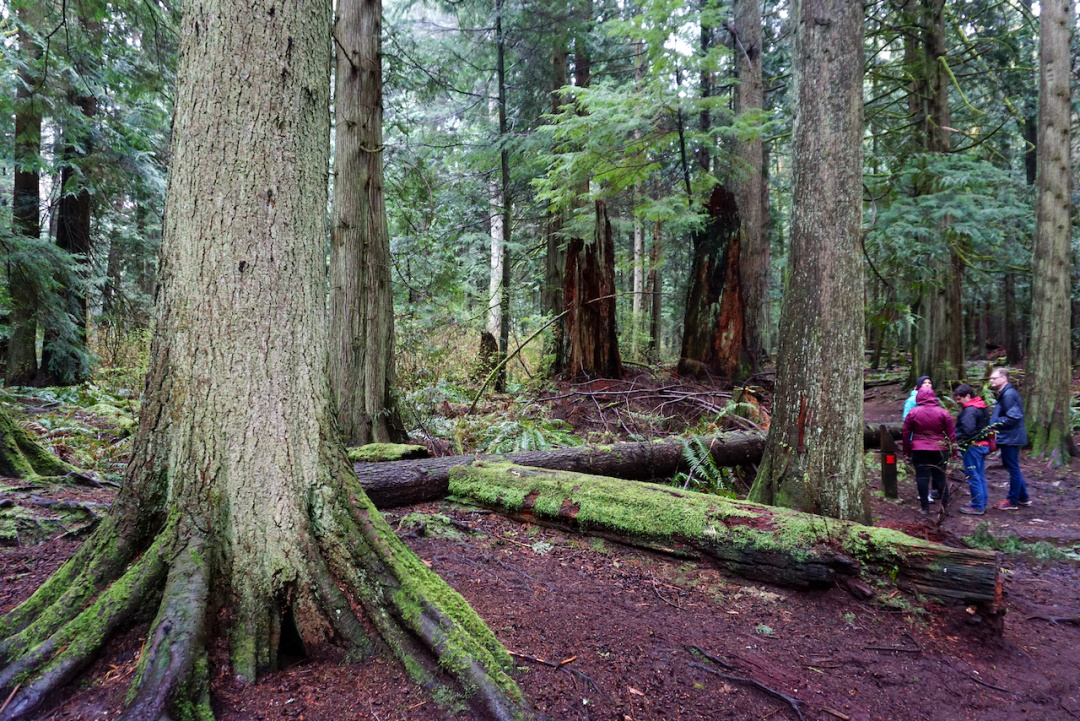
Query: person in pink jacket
x=929, y=438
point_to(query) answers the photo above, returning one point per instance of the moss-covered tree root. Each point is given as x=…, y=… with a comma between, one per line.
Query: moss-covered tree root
x=353, y=561
x=21, y=456
x=754, y=541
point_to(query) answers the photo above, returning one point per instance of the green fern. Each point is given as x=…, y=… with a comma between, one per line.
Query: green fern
x=704, y=475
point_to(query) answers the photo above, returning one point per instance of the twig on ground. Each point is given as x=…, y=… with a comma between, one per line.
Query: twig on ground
x=793, y=702
x=658, y=595
x=10, y=696
x=534, y=659
x=892, y=648
x=837, y=714
x=1057, y=620
x=990, y=685
x=715, y=659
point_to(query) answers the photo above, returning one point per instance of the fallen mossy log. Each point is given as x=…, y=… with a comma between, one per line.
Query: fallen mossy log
x=402, y=483
x=765, y=543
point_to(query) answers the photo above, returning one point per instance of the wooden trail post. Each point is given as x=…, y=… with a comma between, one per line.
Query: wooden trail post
x=888, y=463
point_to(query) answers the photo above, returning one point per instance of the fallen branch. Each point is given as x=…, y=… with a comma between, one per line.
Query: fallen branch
x=990, y=685
x=793, y=702
x=1057, y=620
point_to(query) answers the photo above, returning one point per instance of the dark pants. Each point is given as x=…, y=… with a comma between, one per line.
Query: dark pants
x=1010, y=458
x=930, y=467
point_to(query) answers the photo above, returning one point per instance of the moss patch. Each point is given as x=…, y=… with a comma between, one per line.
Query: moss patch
x=380, y=452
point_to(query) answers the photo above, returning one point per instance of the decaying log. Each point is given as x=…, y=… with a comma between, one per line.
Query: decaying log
x=759, y=542
x=403, y=483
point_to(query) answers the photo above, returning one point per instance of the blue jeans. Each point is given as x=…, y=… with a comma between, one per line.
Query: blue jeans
x=1010, y=458
x=974, y=467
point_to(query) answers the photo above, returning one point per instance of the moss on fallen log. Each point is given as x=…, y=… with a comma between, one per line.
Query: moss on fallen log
x=765, y=543
x=383, y=452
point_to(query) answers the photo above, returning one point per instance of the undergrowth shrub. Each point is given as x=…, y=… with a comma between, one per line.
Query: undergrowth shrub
x=704, y=475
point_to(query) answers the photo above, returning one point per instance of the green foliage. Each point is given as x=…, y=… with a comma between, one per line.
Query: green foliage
x=704, y=475
x=983, y=537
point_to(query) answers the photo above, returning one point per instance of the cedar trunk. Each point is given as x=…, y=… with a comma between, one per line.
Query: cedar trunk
x=750, y=188
x=589, y=292
x=361, y=297
x=1049, y=366
x=940, y=337
x=64, y=354
x=713, y=322
x=813, y=456
x=239, y=505
x=26, y=213
x=555, y=251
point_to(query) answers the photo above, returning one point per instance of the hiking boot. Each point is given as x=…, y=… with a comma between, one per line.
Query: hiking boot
x=924, y=511
x=934, y=495
x=1006, y=505
x=1025, y=502
x=972, y=511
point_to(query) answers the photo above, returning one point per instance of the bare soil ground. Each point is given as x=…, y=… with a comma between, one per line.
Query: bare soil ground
x=604, y=632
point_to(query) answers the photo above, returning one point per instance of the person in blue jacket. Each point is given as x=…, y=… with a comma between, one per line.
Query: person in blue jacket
x=1008, y=421
x=910, y=403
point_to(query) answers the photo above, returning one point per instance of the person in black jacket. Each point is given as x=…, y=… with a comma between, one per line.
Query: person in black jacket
x=1008, y=421
x=972, y=435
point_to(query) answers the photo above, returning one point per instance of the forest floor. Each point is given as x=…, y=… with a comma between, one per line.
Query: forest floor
x=605, y=632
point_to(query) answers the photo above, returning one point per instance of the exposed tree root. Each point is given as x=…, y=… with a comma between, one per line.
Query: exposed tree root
x=355, y=559
x=21, y=456
x=424, y=605
x=176, y=638
x=54, y=661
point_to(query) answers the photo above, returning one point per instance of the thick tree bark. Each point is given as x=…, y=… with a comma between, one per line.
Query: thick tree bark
x=407, y=482
x=26, y=211
x=361, y=297
x=813, y=460
x=589, y=292
x=750, y=186
x=1049, y=370
x=758, y=542
x=239, y=497
x=713, y=321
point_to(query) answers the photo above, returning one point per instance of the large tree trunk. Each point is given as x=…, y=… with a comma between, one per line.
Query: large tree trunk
x=941, y=330
x=589, y=292
x=654, y=287
x=813, y=460
x=1049, y=366
x=64, y=355
x=766, y=544
x=239, y=504
x=750, y=187
x=713, y=321
x=26, y=212
x=555, y=255
x=361, y=297
x=403, y=483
